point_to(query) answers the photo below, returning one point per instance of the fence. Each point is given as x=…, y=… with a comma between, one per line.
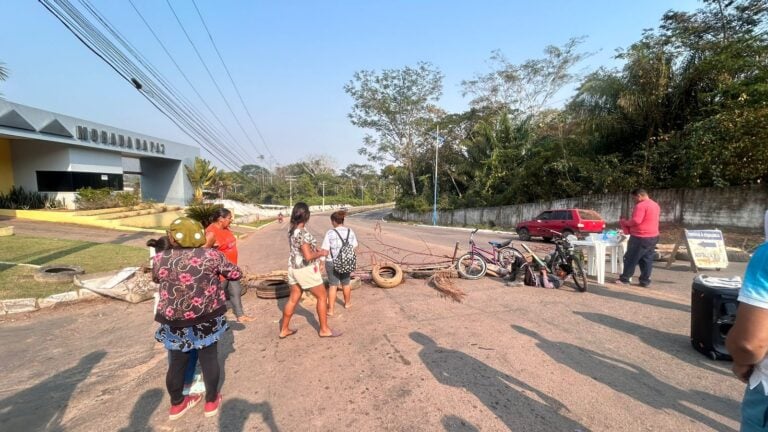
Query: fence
x=733, y=207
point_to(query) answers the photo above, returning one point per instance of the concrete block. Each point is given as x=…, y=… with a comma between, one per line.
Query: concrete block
x=52, y=300
x=20, y=305
x=6, y=231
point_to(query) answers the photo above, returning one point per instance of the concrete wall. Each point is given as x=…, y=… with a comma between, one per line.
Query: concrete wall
x=163, y=180
x=734, y=207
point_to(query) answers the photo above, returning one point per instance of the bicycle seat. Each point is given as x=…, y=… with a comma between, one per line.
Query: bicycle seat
x=497, y=244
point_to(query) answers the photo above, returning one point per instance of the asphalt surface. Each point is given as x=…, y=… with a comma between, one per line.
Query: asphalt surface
x=507, y=358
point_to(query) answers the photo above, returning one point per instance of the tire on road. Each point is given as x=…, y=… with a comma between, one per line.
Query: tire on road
x=58, y=273
x=387, y=275
x=272, y=289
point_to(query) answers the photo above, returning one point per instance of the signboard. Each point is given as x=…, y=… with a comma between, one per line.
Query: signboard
x=706, y=249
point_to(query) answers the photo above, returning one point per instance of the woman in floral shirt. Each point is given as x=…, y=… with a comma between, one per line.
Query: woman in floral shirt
x=304, y=273
x=191, y=311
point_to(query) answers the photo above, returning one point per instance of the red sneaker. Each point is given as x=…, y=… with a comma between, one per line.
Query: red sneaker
x=212, y=408
x=178, y=410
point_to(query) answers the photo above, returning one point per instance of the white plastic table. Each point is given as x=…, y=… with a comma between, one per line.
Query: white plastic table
x=596, y=253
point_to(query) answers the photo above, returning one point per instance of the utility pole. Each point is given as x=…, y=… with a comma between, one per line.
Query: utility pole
x=323, y=184
x=362, y=193
x=434, y=205
x=290, y=180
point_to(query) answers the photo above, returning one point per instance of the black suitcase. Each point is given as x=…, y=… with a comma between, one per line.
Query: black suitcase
x=713, y=311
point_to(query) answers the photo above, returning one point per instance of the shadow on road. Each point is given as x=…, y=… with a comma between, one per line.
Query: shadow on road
x=636, y=382
x=501, y=393
x=225, y=348
x=235, y=412
x=651, y=301
x=452, y=423
x=674, y=344
x=142, y=411
x=42, y=406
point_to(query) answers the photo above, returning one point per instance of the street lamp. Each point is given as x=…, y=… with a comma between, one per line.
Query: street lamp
x=434, y=202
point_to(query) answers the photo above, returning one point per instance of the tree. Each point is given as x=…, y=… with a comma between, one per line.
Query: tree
x=201, y=174
x=528, y=87
x=397, y=105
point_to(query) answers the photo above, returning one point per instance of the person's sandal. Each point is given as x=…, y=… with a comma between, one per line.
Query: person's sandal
x=245, y=319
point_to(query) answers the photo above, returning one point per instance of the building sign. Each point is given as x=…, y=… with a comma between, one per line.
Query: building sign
x=707, y=249
x=112, y=139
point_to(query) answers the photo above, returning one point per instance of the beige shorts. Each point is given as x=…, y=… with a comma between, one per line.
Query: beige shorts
x=306, y=277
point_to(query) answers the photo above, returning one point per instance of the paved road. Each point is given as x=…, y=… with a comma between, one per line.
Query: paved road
x=507, y=358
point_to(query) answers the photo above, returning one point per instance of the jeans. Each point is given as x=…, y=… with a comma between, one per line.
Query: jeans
x=234, y=289
x=640, y=251
x=209, y=363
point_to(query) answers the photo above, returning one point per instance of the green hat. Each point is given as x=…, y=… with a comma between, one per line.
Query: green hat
x=187, y=232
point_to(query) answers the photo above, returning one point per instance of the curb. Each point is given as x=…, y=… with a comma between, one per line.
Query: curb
x=24, y=305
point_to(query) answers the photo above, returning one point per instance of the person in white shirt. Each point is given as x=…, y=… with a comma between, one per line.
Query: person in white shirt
x=332, y=242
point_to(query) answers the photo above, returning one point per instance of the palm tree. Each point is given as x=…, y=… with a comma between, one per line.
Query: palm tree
x=201, y=174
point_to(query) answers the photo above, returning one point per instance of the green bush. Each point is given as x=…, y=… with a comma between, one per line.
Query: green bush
x=202, y=212
x=91, y=199
x=127, y=199
x=19, y=199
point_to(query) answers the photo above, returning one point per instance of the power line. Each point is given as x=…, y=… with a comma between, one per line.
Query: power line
x=215, y=83
x=237, y=91
x=181, y=71
x=95, y=41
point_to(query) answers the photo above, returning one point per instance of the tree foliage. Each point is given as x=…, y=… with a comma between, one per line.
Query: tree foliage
x=397, y=105
x=201, y=175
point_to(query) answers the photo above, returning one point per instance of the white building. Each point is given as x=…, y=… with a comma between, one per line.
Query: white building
x=54, y=153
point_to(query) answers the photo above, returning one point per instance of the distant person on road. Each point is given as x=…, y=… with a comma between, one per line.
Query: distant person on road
x=643, y=227
x=304, y=273
x=191, y=311
x=332, y=243
x=219, y=236
x=747, y=342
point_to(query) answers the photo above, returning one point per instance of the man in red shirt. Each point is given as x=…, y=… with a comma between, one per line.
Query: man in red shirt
x=643, y=227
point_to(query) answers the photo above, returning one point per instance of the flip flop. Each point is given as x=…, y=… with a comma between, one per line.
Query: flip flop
x=292, y=332
x=334, y=333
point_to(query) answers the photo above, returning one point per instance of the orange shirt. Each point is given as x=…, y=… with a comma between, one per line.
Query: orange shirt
x=225, y=242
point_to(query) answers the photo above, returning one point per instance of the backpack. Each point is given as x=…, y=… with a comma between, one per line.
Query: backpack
x=345, y=261
x=535, y=278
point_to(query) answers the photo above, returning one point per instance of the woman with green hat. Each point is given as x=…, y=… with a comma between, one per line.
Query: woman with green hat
x=191, y=311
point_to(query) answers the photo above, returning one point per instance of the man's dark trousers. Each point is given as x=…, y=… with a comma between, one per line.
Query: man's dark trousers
x=640, y=251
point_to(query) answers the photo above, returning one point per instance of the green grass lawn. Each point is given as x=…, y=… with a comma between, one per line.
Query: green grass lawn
x=17, y=281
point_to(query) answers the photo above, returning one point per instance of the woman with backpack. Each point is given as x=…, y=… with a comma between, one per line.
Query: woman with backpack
x=340, y=242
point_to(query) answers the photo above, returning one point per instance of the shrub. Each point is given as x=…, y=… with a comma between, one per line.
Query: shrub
x=19, y=199
x=202, y=212
x=90, y=199
x=127, y=199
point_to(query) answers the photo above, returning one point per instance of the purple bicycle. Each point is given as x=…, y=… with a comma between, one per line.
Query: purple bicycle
x=474, y=264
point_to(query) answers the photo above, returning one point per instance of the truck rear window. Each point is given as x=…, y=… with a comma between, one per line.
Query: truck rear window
x=589, y=215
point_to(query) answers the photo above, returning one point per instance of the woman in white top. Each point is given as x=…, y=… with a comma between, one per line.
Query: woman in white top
x=332, y=242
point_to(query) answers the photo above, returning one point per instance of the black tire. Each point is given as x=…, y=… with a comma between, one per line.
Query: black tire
x=272, y=289
x=567, y=232
x=471, y=266
x=524, y=234
x=579, y=275
x=58, y=273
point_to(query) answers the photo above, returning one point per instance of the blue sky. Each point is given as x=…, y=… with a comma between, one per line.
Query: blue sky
x=291, y=60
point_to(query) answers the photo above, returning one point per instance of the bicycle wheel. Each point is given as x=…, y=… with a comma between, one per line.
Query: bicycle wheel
x=471, y=266
x=509, y=258
x=578, y=273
